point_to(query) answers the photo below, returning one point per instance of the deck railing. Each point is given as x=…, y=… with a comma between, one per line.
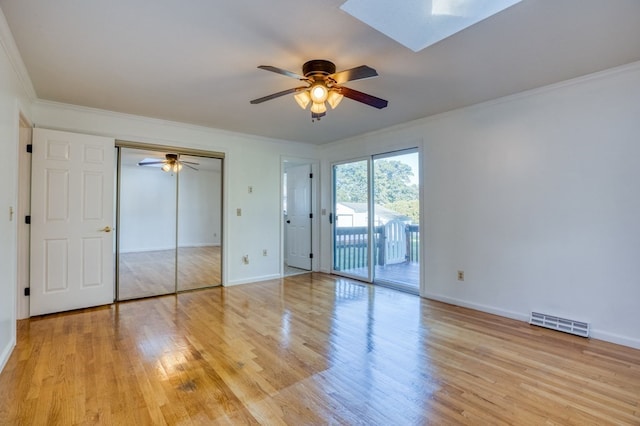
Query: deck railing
x=350, y=246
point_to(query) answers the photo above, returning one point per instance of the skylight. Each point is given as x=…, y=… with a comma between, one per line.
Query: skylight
x=417, y=24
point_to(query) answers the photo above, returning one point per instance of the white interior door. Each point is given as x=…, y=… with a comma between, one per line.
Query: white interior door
x=298, y=216
x=71, y=220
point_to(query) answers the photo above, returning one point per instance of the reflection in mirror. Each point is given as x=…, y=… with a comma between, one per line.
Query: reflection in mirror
x=147, y=234
x=199, y=224
x=169, y=223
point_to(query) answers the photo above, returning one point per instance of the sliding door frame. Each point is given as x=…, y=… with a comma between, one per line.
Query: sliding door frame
x=369, y=277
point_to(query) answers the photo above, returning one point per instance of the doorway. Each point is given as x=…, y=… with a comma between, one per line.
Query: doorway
x=168, y=223
x=376, y=216
x=297, y=208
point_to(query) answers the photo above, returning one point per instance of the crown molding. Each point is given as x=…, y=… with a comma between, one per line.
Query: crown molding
x=632, y=67
x=9, y=45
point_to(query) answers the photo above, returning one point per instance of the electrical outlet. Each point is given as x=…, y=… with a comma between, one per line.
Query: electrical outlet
x=264, y=252
x=460, y=275
x=250, y=189
x=245, y=259
x=238, y=212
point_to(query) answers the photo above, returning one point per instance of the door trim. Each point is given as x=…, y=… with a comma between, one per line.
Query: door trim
x=25, y=129
x=315, y=221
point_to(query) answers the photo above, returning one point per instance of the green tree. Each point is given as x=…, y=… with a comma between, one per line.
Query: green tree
x=410, y=208
x=391, y=181
x=351, y=183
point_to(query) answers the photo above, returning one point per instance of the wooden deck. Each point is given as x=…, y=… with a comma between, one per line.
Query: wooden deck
x=403, y=274
x=311, y=349
x=407, y=274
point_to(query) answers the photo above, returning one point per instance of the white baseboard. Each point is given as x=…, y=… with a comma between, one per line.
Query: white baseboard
x=6, y=353
x=252, y=280
x=595, y=333
x=482, y=308
x=614, y=338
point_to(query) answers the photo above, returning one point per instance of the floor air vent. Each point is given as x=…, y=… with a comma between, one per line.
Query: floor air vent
x=561, y=324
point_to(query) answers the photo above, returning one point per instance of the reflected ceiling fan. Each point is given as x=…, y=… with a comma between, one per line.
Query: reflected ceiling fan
x=324, y=85
x=171, y=163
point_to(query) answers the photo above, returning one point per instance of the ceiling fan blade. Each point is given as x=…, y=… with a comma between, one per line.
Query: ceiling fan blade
x=191, y=167
x=357, y=73
x=281, y=71
x=364, y=98
x=149, y=163
x=276, y=95
x=189, y=162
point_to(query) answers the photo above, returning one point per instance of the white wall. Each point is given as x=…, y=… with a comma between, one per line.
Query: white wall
x=537, y=198
x=200, y=207
x=14, y=97
x=249, y=161
x=148, y=209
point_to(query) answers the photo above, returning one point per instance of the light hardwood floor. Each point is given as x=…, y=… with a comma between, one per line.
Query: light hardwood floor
x=152, y=273
x=310, y=349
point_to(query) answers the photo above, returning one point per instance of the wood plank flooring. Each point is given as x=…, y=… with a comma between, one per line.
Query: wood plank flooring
x=153, y=273
x=309, y=349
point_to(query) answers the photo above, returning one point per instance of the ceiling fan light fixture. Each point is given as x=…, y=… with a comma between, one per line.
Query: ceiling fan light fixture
x=303, y=99
x=319, y=93
x=334, y=98
x=318, y=108
x=324, y=85
x=166, y=167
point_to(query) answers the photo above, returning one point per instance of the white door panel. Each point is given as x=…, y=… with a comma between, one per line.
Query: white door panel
x=71, y=215
x=298, y=220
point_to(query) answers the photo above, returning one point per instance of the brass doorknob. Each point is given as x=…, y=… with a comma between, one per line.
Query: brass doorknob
x=106, y=229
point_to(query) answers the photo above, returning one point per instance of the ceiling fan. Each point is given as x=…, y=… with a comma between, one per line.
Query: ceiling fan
x=324, y=85
x=171, y=163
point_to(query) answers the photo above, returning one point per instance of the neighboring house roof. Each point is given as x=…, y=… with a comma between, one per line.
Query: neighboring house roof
x=381, y=212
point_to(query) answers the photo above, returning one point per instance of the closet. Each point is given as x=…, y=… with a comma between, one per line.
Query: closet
x=168, y=220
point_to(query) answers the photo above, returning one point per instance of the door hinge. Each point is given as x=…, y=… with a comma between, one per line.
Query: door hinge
x=27, y=291
x=310, y=175
x=310, y=215
x=29, y=148
x=27, y=220
x=310, y=255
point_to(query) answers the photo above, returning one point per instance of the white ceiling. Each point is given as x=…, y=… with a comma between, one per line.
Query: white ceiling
x=195, y=61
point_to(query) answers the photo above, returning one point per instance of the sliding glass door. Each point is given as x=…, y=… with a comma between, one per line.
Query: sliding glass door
x=396, y=224
x=351, y=233
x=376, y=211
x=169, y=223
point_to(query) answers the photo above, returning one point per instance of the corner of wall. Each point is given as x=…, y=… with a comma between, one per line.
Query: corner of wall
x=6, y=352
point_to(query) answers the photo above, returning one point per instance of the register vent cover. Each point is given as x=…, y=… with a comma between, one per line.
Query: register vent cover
x=578, y=328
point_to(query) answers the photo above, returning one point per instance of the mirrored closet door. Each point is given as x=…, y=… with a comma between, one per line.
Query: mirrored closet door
x=169, y=222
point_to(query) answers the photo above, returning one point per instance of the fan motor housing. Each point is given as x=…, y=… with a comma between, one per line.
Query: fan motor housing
x=318, y=66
